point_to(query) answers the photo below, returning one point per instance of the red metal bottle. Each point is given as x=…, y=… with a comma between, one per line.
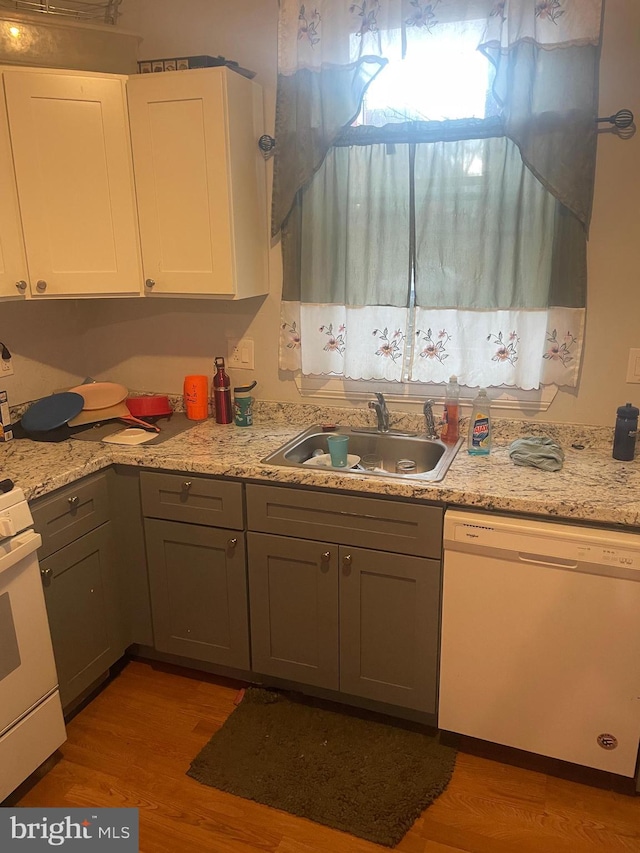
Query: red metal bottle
x=221, y=393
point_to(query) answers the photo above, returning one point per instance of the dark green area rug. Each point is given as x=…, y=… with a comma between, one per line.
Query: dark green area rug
x=353, y=771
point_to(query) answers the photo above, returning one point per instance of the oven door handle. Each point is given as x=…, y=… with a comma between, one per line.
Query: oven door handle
x=17, y=548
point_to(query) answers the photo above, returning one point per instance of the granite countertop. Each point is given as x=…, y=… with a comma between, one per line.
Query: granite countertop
x=590, y=487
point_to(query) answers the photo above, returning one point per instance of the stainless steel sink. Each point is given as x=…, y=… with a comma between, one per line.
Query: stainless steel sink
x=431, y=458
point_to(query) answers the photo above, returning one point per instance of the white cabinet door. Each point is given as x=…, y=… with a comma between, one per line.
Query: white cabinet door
x=72, y=159
x=13, y=263
x=200, y=180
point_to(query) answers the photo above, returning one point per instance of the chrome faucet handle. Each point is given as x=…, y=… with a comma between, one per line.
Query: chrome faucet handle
x=429, y=423
x=372, y=404
x=380, y=408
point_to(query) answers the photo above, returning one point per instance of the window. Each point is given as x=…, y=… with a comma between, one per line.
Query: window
x=430, y=237
x=443, y=78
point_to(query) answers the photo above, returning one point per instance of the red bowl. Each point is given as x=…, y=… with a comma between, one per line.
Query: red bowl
x=149, y=405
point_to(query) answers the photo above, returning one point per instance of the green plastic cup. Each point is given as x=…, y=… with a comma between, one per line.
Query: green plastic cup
x=338, y=446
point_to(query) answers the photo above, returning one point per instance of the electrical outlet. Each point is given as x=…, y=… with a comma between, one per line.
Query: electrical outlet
x=241, y=354
x=633, y=366
x=6, y=367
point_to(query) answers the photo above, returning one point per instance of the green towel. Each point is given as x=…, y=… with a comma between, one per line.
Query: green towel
x=538, y=451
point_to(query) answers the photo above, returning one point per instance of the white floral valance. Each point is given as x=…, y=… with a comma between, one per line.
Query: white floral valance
x=339, y=32
x=548, y=23
x=525, y=349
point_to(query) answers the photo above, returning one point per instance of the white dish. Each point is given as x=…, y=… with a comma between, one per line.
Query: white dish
x=324, y=461
x=132, y=435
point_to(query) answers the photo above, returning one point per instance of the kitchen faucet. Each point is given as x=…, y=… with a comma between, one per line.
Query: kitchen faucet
x=429, y=423
x=380, y=407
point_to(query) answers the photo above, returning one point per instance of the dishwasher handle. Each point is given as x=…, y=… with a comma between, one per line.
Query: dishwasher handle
x=547, y=561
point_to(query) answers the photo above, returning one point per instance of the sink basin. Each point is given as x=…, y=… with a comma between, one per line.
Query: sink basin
x=432, y=457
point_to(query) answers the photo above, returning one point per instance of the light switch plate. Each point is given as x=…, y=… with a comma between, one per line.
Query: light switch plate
x=241, y=354
x=633, y=368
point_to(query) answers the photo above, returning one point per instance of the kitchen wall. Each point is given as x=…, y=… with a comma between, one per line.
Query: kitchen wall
x=152, y=344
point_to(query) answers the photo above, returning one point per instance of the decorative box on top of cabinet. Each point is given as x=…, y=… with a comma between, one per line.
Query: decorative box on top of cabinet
x=73, y=172
x=200, y=182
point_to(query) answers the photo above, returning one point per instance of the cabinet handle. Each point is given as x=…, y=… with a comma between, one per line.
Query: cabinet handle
x=46, y=574
x=41, y=285
x=325, y=557
x=346, y=563
x=149, y=282
x=232, y=542
x=74, y=501
x=187, y=485
x=21, y=285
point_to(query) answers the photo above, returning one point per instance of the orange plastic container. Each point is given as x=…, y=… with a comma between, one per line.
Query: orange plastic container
x=196, y=397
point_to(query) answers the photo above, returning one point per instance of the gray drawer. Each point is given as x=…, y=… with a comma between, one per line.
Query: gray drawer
x=70, y=513
x=197, y=500
x=384, y=525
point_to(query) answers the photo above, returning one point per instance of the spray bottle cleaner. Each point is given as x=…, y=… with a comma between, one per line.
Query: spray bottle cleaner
x=479, y=438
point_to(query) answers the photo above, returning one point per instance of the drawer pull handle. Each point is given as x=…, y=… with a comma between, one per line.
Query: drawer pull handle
x=187, y=485
x=74, y=501
x=325, y=556
x=47, y=574
x=232, y=542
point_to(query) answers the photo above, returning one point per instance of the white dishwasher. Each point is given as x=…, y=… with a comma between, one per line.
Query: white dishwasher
x=541, y=638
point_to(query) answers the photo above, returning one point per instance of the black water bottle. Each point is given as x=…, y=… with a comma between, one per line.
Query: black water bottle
x=624, y=438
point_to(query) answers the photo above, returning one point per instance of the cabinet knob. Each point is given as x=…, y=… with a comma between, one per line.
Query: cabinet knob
x=149, y=282
x=41, y=285
x=325, y=557
x=21, y=285
x=346, y=563
x=232, y=542
x=187, y=485
x=46, y=574
x=74, y=501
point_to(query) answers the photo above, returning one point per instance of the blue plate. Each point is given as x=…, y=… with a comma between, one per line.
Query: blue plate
x=52, y=412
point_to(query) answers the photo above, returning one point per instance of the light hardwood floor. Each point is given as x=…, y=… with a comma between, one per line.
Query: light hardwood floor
x=132, y=745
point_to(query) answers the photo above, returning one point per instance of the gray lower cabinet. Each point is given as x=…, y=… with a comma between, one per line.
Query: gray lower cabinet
x=345, y=593
x=197, y=579
x=81, y=580
x=293, y=586
x=389, y=627
x=83, y=610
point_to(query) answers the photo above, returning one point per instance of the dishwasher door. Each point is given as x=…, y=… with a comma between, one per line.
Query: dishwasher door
x=541, y=638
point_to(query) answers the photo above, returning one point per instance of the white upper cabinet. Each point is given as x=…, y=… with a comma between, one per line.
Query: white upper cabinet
x=13, y=263
x=200, y=182
x=72, y=158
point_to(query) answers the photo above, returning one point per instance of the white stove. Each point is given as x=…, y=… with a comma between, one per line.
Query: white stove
x=31, y=721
